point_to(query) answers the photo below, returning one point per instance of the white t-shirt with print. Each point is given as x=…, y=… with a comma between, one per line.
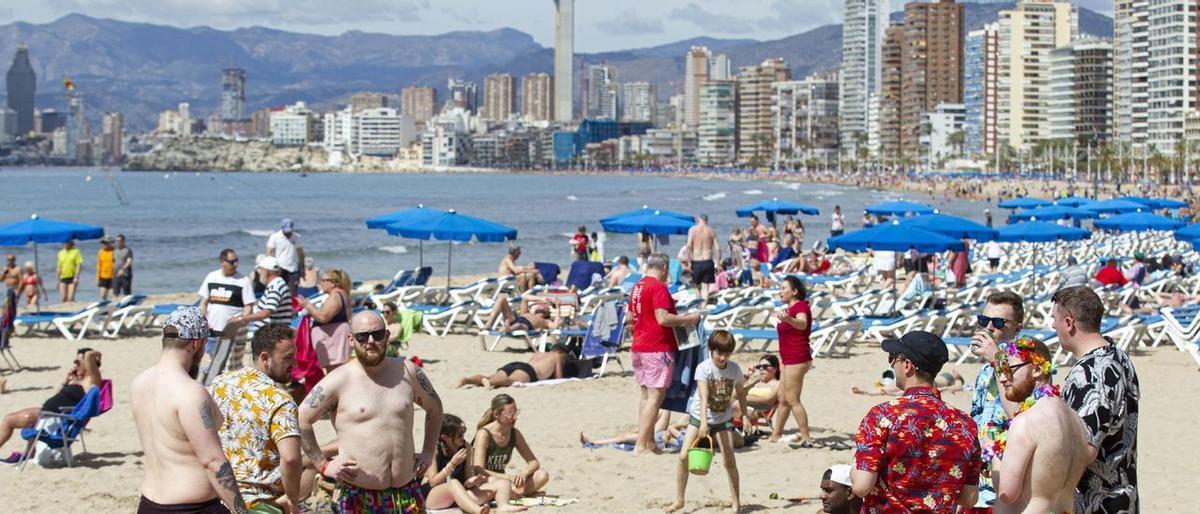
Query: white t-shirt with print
x=722, y=383
x=285, y=250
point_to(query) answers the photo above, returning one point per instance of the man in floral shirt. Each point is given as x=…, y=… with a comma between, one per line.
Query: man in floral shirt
x=915, y=453
x=999, y=323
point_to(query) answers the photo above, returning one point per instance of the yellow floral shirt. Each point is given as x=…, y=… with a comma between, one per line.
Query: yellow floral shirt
x=258, y=414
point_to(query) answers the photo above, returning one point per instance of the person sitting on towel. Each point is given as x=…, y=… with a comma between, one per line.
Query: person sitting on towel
x=541, y=366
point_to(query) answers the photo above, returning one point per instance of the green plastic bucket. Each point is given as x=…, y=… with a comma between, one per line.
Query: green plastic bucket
x=699, y=459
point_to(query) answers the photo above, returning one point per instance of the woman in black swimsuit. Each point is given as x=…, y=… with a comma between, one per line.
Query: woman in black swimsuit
x=536, y=313
x=84, y=375
x=453, y=483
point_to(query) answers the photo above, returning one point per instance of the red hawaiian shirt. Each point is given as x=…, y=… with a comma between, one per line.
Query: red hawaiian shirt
x=922, y=450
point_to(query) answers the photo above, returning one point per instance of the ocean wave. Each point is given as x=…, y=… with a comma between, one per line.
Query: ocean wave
x=714, y=196
x=256, y=232
x=572, y=198
x=397, y=249
x=752, y=192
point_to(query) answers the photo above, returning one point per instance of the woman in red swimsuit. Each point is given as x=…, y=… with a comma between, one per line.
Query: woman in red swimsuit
x=31, y=284
x=794, y=328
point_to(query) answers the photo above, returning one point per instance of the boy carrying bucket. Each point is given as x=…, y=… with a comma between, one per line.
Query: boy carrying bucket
x=719, y=381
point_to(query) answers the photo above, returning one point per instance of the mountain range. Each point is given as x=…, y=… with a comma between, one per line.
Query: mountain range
x=140, y=69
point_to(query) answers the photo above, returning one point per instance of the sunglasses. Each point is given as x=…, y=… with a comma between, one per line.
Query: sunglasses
x=231, y=261
x=763, y=366
x=363, y=337
x=893, y=357
x=984, y=321
x=1004, y=367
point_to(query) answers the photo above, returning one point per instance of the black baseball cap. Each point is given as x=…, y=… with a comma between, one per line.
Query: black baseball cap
x=925, y=350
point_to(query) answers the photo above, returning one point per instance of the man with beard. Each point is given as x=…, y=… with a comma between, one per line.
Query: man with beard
x=260, y=434
x=371, y=401
x=186, y=471
x=999, y=323
x=1044, y=453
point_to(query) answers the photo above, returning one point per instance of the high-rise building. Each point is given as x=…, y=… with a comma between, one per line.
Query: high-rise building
x=805, y=120
x=464, y=94
x=1171, y=73
x=1080, y=91
x=717, y=134
x=499, y=96
x=8, y=124
x=938, y=141
x=696, y=66
x=720, y=68
x=112, y=132
x=564, y=60
x=419, y=102
x=537, y=94
x=639, y=100
x=1027, y=34
x=863, y=25
x=233, y=95
x=185, y=119
x=979, y=90
x=295, y=125
x=928, y=48
x=22, y=88
x=600, y=92
x=361, y=101
x=1131, y=61
x=77, y=129
x=754, y=134
x=260, y=123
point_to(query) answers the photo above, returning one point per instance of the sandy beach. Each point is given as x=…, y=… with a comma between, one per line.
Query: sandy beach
x=106, y=478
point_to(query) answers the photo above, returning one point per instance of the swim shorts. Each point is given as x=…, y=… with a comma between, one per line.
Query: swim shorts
x=509, y=368
x=994, y=261
x=712, y=427
x=67, y=280
x=703, y=272
x=212, y=506
x=653, y=369
x=104, y=282
x=348, y=499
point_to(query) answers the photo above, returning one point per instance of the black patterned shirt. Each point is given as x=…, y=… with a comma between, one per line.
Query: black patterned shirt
x=1103, y=389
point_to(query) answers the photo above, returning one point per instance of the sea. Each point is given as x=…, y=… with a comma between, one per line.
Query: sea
x=177, y=223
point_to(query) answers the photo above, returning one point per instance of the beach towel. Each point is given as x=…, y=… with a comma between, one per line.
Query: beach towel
x=410, y=323
x=540, y=383
x=307, y=368
x=683, y=375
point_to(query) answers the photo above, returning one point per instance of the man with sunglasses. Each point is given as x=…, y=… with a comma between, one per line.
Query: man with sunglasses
x=998, y=324
x=225, y=293
x=1039, y=461
x=370, y=400
x=916, y=453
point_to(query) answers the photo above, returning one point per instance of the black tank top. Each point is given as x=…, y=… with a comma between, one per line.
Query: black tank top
x=68, y=396
x=340, y=317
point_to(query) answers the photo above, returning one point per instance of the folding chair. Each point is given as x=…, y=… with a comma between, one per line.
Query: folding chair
x=58, y=430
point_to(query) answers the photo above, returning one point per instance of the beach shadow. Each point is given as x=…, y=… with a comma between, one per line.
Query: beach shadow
x=755, y=508
x=103, y=460
x=26, y=389
x=618, y=374
x=38, y=369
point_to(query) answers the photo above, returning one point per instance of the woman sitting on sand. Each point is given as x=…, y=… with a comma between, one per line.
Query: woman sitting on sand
x=762, y=384
x=448, y=485
x=494, y=443
x=331, y=322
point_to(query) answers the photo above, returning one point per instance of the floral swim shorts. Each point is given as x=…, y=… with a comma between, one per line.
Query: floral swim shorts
x=348, y=499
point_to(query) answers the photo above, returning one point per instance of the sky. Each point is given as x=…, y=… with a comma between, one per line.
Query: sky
x=600, y=25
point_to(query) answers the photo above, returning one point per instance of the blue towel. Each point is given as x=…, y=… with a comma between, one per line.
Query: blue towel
x=683, y=375
x=549, y=271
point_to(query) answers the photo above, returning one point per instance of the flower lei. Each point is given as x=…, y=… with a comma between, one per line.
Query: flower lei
x=1022, y=348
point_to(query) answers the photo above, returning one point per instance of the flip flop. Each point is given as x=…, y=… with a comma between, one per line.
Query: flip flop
x=801, y=444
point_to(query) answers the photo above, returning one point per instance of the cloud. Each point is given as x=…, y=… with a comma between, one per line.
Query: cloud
x=713, y=22
x=795, y=15
x=629, y=24
x=227, y=13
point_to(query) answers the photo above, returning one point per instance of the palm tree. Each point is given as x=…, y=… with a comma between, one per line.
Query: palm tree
x=957, y=139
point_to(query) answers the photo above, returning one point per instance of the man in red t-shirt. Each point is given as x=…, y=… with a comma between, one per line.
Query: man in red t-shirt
x=579, y=243
x=1110, y=274
x=652, y=313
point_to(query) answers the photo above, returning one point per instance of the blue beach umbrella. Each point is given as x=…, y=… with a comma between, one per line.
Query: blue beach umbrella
x=452, y=226
x=1023, y=203
x=414, y=214
x=41, y=230
x=1053, y=212
x=1138, y=221
x=1190, y=233
x=893, y=237
x=1072, y=201
x=775, y=206
x=1115, y=206
x=1169, y=203
x=655, y=222
x=951, y=226
x=1039, y=232
x=647, y=210
x=899, y=208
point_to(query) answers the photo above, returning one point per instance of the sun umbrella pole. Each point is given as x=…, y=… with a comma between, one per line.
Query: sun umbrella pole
x=449, y=263
x=420, y=255
x=37, y=270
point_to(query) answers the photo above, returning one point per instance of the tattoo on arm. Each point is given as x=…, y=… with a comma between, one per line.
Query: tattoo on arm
x=316, y=397
x=229, y=482
x=206, y=416
x=312, y=449
x=426, y=385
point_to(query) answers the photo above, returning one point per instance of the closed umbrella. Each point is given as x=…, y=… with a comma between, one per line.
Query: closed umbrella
x=1023, y=203
x=41, y=230
x=414, y=214
x=776, y=206
x=951, y=226
x=452, y=226
x=1138, y=221
x=1053, y=212
x=899, y=208
x=1115, y=206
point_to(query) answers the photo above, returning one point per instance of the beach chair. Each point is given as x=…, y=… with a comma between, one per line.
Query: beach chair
x=527, y=336
x=165, y=309
x=82, y=320
x=59, y=430
x=6, y=348
x=62, y=321
x=440, y=320
x=743, y=336
x=1182, y=326
x=828, y=334
x=129, y=311
x=598, y=342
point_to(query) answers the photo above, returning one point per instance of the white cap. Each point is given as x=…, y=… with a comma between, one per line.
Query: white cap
x=840, y=473
x=268, y=262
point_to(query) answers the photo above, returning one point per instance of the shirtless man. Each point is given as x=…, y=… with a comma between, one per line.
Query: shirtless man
x=371, y=401
x=527, y=275
x=536, y=313
x=177, y=421
x=705, y=251
x=541, y=366
x=1046, y=453
x=619, y=273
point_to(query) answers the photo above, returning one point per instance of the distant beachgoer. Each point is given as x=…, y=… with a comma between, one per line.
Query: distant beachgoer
x=527, y=276
x=285, y=247
x=185, y=468
x=619, y=273
x=704, y=251
x=534, y=313
x=893, y=465
x=579, y=244
x=452, y=481
x=652, y=313
x=1138, y=271
x=987, y=217
x=310, y=280
x=1073, y=274
x=31, y=286
x=496, y=438
x=1043, y=455
x=70, y=263
x=12, y=272
x=541, y=366
x=867, y=220
x=596, y=248
x=759, y=234
x=1110, y=274
x=104, y=268
x=1102, y=387
x=260, y=434
x=84, y=374
x=224, y=295
x=960, y=263
x=836, y=494
x=370, y=401
x=795, y=325
x=994, y=254
x=123, y=261
x=670, y=438
x=885, y=264
x=331, y=323
x=275, y=305
x=837, y=222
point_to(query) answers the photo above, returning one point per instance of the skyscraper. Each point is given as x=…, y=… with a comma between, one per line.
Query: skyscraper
x=112, y=131
x=420, y=102
x=499, y=96
x=1028, y=33
x=1171, y=73
x=1080, y=91
x=564, y=60
x=805, y=120
x=537, y=91
x=862, y=40
x=639, y=101
x=754, y=104
x=233, y=95
x=600, y=92
x=366, y=100
x=696, y=65
x=1131, y=61
x=718, y=123
x=22, y=87
x=463, y=94
x=928, y=47
x=891, y=80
